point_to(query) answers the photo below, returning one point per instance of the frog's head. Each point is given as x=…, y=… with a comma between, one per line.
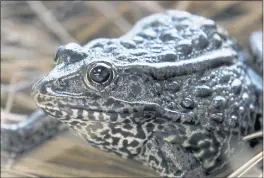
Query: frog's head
x=86, y=84
x=113, y=79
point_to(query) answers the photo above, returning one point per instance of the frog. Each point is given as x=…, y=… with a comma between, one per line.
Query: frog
x=174, y=93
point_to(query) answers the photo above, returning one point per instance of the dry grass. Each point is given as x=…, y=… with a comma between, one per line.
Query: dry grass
x=31, y=31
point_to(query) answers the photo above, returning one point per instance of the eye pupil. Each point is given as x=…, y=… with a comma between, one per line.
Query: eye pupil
x=100, y=74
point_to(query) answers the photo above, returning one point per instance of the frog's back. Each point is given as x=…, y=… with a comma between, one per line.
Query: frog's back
x=166, y=37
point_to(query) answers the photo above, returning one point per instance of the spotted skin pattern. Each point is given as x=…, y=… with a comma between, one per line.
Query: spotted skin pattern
x=173, y=93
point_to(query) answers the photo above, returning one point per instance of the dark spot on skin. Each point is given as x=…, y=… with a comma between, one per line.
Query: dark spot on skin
x=78, y=127
x=186, y=119
x=112, y=102
x=128, y=44
x=148, y=114
x=152, y=158
x=207, y=154
x=125, y=111
x=219, y=102
x=205, y=145
x=160, y=127
x=115, y=140
x=236, y=86
x=233, y=121
x=173, y=86
x=134, y=143
x=157, y=48
x=201, y=42
x=202, y=91
x=95, y=126
x=83, y=124
x=109, y=102
x=187, y=103
x=110, y=42
x=157, y=87
x=149, y=146
x=79, y=114
x=148, y=33
x=169, y=35
x=224, y=79
x=74, y=122
x=217, y=117
x=105, y=132
x=184, y=47
x=127, y=121
x=168, y=98
x=168, y=56
x=122, y=132
x=196, y=138
x=172, y=105
x=128, y=127
x=216, y=39
x=91, y=115
x=140, y=134
x=107, y=136
x=150, y=127
x=101, y=117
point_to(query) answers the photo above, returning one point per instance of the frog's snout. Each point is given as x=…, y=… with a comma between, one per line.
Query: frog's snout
x=39, y=88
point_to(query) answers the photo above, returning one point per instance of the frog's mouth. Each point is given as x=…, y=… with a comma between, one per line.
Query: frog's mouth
x=63, y=108
x=138, y=112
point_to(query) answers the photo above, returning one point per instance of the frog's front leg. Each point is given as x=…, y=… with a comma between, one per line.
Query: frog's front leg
x=181, y=150
x=172, y=160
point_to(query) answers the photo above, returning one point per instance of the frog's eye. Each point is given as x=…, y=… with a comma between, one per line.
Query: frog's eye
x=100, y=73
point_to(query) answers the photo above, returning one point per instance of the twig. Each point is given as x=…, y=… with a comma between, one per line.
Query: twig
x=12, y=117
x=10, y=159
x=11, y=95
x=151, y=6
x=19, y=86
x=248, y=19
x=253, y=135
x=50, y=21
x=183, y=5
x=25, y=101
x=7, y=11
x=18, y=172
x=218, y=7
x=108, y=12
x=98, y=24
x=247, y=166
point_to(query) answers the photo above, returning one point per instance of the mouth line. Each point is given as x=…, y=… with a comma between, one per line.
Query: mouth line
x=95, y=110
x=114, y=113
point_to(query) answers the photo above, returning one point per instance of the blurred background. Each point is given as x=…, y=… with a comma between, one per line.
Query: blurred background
x=31, y=31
